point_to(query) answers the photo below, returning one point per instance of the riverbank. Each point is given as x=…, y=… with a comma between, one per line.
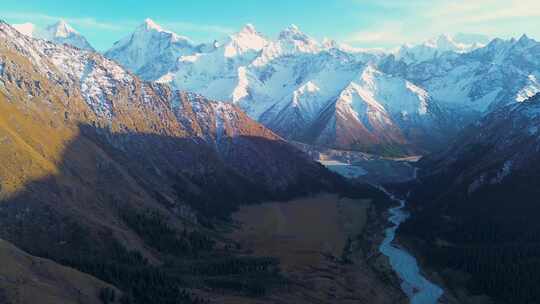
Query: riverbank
x=451, y=281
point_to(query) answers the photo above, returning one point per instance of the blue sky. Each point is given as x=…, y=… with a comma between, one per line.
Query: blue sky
x=363, y=23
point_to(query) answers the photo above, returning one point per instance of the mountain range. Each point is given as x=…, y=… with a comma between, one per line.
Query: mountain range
x=333, y=95
x=329, y=94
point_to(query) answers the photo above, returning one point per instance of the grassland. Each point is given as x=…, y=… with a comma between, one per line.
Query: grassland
x=313, y=238
x=25, y=279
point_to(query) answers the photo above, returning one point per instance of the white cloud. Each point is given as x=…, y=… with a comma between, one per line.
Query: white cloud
x=386, y=33
x=422, y=19
x=478, y=11
x=395, y=4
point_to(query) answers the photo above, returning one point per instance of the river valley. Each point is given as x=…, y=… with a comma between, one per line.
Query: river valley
x=417, y=287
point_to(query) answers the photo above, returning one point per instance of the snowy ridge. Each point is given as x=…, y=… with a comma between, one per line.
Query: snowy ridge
x=434, y=48
x=501, y=72
x=246, y=41
x=291, y=83
x=118, y=97
x=329, y=93
x=307, y=90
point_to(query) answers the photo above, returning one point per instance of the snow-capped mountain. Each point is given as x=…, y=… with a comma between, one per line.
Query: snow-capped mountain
x=368, y=110
x=151, y=51
x=220, y=73
x=437, y=46
x=60, y=32
x=300, y=87
x=321, y=93
x=503, y=71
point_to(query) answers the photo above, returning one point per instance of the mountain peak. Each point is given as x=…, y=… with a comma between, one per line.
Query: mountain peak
x=524, y=39
x=60, y=32
x=368, y=72
x=293, y=28
x=149, y=24
x=246, y=40
x=151, y=50
x=150, y=27
x=61, y=29
x=249, y=29
x=443, y=41
x=293, y=33
x=290, y=31
x=61, y=24
x=330, y=43
x=445, y=38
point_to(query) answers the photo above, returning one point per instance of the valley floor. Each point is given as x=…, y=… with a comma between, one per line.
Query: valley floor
x=324, y=248
x=362, y=167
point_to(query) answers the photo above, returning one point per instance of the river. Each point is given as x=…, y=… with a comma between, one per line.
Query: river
x=419, y=289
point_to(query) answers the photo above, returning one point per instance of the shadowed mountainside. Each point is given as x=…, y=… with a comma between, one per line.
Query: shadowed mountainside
x=27, y=279
x=476, y=210
x=120, y=205
x=102, y=173
x=118, y=177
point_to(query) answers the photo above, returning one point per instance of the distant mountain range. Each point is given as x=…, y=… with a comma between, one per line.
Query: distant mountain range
x=60, y=32
x=408, y=101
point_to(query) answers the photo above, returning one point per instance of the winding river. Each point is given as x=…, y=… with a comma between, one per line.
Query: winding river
x=419, y=289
